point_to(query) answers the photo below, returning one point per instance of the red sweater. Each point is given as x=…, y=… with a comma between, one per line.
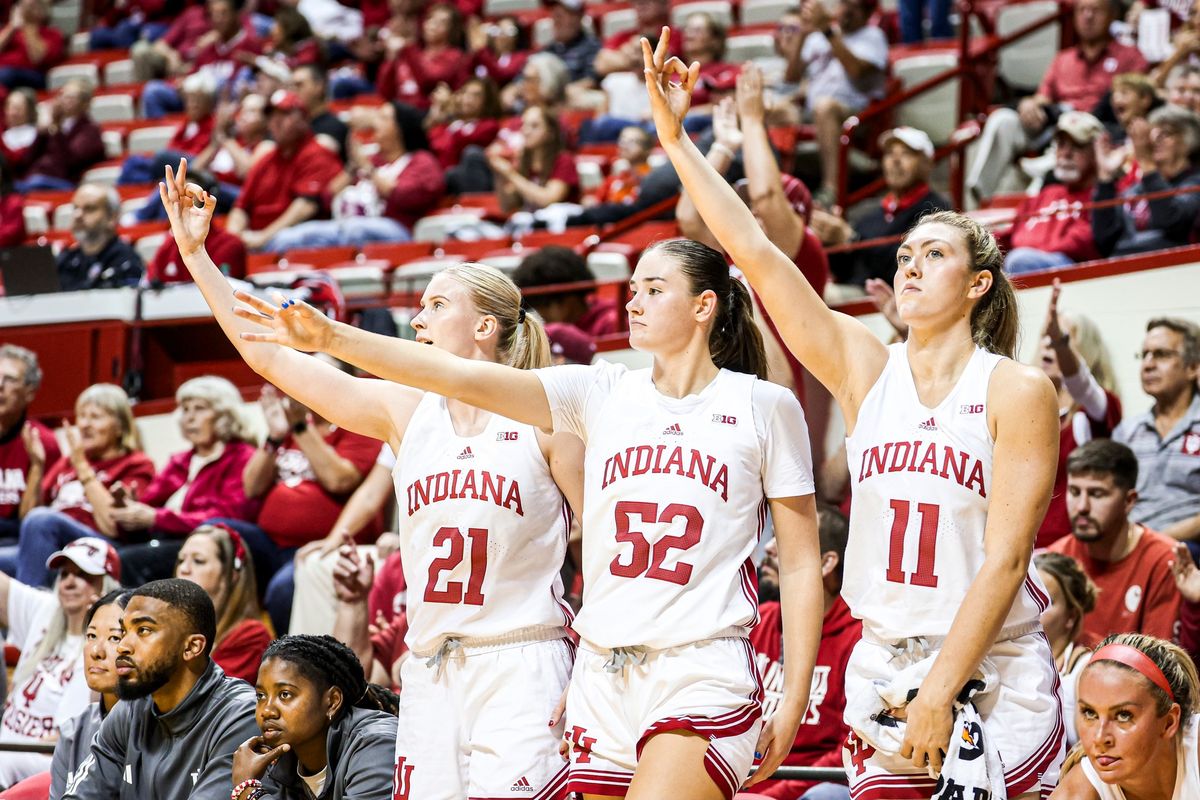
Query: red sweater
x=240, y=652
x=12, y=220
x=1055, y=222
x=68, y=154
x=418, y=189
x=16, y=53
x=414, y=73
x=192, y=137
x=449, y=141
x=225, y=249
x=14, y=463
x=216, y=491
x=276, y=179
x=501, y=69
x=63, y=491
x=822, y=731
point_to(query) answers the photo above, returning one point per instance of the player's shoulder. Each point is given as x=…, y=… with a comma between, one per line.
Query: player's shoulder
x=1017, y=387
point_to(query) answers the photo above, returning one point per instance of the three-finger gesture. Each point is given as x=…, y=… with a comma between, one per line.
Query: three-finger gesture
x=189, y=208
x=669, y=102
x=291, y=323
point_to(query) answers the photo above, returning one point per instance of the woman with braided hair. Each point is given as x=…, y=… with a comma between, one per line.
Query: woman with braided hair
x=1139, y=725
x=326, y=732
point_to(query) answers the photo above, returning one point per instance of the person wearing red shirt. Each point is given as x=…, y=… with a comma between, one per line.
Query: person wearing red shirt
x=190, y=139
x=498, y=50
x=1078, y=78
x=1129, y=563
x=413, y=71
x=102, y=468
x=371, y=615
x=304, y=473
x=29, y=46
x=20, y=377
x=633, y=151
x=458, y=120
x=822, y=731
x=288, y=185
x=68, y=145
x=226, y=250
x=12, y=208
x=542, y=173
x=622, y=52
x=175, y=48
x=19, y=130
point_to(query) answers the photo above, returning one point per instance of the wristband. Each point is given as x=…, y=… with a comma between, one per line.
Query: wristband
x=721, y=148
x=273, y=443
x=300, y=427
x=243, y=786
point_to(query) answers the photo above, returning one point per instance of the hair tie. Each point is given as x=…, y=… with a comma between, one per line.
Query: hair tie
x=239, y=547
x=1137, y=661
x=521, y=315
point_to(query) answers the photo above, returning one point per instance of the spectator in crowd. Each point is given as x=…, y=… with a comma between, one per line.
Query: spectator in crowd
x=822, y=731
x=101, y=634
x=215, y=558
x=1185, y=40
x=1166, y=438
x=202, y=482
x=311, y=84
x=122, y=24
x=499, y=49
x=191, y=138
x=100, y=258
x=572, y=44
x=555, y=266
x=1072, y=597
x=319, y=717
x=372, y=616
x=1132, y=98
x=1187, y=579
x=704, y=44
x=20, y=482
x=226, y=250
x=304, y=472
x=622, y=52
x=907, y=162
x=12, y=208
x=180, y=714
x=393, y=187
x=1077, y=79
x=844, y=61
x=1073, y=356
x=458, y=120
x=287, y=185
x=67, y=145
x=170, y=54
x=544, y=82
x=1137, y=715
x=291, y=42
x=633, y=153
x=413, y=71
x=1129, y=563
x=103, y=461
x=788, y=40
x=915, y=13
x=1142, y=225
x=239, y=140
x=48, y=684
x=542, y=172
x=1051, y=229
x=1183, y=87
x=29, y=46
x=569, y=345
x=230, y=43
x=19, y=129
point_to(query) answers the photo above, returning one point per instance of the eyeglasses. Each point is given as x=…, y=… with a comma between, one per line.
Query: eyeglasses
x=789, y=29
x=1157, y=355
x=11, y=380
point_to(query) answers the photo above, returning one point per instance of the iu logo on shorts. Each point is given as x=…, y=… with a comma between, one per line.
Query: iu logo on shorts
x=403, y=779
x=859, y=752
x=581, y=744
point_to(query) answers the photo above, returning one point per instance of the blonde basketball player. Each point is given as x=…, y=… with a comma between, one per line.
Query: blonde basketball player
x=682, y=463
x=483, y=532
x=952, y=449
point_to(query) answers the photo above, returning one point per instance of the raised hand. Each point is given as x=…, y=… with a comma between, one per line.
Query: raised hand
x=725, y=125
x=1110, y=158
x=750, y=94
x=189, y=208
x=1187, y=577
x=271, y=403
x=669, y=102
x=33, y=444
x=291, y=323
x=1054, y=327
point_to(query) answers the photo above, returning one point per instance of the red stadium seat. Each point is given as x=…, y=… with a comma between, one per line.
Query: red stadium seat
x=261, y=262
x=319, y=257
x=397, y=253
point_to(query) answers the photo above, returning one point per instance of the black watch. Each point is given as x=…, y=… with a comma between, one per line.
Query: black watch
x=300, y=427
x=274, y=444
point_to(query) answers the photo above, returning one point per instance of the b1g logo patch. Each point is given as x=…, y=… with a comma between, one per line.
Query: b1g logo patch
x=974, y=408
x=508, y=436
x=724, y=419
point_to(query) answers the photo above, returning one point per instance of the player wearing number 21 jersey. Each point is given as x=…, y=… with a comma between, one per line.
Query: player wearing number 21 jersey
x=674, y=501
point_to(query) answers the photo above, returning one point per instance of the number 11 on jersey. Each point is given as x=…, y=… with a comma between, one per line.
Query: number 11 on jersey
x=926, y=544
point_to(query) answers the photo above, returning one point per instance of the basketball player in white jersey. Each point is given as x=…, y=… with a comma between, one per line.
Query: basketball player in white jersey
x=1139, y=723
x=682, y=463
x=483, y=532
x=952, y=449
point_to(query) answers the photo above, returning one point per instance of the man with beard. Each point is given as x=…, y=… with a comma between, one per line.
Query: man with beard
x=100, y=259
x=181, y=719
x=1129, y=563
x=822, y=731
x=1052, y=229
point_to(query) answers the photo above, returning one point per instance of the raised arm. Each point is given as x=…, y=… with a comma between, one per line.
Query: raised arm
x=317, y=385
x=782, y=224
x=841, y=352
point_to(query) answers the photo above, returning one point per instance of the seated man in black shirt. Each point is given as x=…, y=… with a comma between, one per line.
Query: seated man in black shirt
x=907, y=161
x=310, y=83
x=100, y=259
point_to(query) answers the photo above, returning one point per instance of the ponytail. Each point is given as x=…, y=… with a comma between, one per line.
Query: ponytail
x=521, y=340
x=734, y=342
x=530, y=344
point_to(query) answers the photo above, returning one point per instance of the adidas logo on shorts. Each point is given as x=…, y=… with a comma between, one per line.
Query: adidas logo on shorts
x=673, y=430
x=522, y=785
x=466, y=453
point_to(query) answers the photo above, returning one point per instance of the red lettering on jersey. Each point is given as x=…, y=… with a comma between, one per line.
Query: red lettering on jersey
x=472, y=485
x=859, y=752
x=402, y=779
x=508, y=436
x=684, y=462
x=581, y=744
x=930, y=458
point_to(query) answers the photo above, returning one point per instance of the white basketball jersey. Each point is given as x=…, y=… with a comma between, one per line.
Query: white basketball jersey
x=922, y=480
x=674, y=498
x=483, y=529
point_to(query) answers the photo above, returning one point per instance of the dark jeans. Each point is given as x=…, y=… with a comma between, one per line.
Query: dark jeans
x=275, y=570
x=40, y=183
x=912, y=14
x=16, y=77
x=148, y=561
x=125, y=34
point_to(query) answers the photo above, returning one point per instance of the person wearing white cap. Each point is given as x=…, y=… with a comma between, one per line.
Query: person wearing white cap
x=48, y=683
x=1050, y=229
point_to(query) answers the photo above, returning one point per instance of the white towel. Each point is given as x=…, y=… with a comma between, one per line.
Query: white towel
x=972, y=767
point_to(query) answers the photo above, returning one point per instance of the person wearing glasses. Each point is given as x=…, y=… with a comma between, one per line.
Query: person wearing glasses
x=1166, y=439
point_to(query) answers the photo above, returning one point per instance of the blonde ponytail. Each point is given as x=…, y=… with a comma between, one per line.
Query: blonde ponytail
x=521, y=341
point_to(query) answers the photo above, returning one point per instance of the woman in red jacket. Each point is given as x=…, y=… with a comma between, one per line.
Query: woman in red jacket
x=412, y=71
x=200, y=483
x=12, y=209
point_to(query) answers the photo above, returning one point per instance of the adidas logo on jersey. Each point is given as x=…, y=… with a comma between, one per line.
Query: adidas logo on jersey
x=928, y=425
x=466, y=453
x=522, y=785
x=673, y=430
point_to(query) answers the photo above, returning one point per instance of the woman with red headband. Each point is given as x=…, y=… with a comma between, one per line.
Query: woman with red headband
x=1138, y=723
x=214, y=557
